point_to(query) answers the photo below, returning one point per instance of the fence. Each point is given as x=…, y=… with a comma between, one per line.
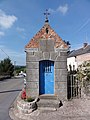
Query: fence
x=73, y=87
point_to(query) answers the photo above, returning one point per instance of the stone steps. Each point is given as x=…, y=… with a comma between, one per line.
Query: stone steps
x=52, y=97
x=47, y=109
x=48, y=101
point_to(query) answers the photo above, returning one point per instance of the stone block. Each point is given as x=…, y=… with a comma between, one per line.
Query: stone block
x=32, y=74
x=31, y=49
x=30, y=58
x=61, y=58
x=50, y=45
x=46, y=55
x=60, y=85
x=61, y=49
x=29, y=53
x=46, y=45
x=48, y=103
x=53, y=55
x=63, y=53
x=61, y=65
x=32, y=65
x=33, y=85
x=61, y=78
x=26, y=107
x=34, y=56
x=39, y=55
x=42, y=46
x=32, y=77
x=59, y=72
x=32, y=71
x=32, y=92
x=62, y=93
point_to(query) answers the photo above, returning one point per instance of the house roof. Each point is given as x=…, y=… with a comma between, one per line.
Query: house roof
x=45, y=33
x=80, y=51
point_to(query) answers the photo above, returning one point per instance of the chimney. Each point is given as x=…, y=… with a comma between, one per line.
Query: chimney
x=85, y=45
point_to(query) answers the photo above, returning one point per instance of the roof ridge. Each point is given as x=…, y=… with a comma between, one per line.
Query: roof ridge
x=80, y=51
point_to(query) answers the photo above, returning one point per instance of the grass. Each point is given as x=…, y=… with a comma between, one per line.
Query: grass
x=29, y=99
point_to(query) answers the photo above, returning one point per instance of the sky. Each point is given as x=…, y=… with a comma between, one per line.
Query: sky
x=20, y=20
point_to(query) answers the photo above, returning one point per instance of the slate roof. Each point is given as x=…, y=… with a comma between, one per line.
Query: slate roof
x=80, y=51
x=45, y=33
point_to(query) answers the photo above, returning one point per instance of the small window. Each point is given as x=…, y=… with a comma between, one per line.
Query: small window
x=47, y=30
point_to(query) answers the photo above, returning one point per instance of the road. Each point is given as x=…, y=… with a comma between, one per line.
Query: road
x=9, y=89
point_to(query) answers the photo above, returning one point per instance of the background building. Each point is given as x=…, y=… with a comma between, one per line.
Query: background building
x=77, y=57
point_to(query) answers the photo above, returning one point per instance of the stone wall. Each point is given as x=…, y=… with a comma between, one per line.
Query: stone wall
x=25, y=107
x=59, y=57
x=61, y=76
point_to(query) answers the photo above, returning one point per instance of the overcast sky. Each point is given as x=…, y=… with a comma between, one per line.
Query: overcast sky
x=20, y=20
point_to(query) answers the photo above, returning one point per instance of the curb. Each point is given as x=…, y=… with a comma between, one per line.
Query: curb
x=12, y=115
x=15, y=115
x=12, y=110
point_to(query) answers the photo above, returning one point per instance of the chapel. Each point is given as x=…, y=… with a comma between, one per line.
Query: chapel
x=46, y=64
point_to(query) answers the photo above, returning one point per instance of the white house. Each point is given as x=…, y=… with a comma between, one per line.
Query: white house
x=72, y=61
x=77, y=57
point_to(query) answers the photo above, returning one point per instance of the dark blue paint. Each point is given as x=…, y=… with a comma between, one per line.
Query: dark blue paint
x=46, y=77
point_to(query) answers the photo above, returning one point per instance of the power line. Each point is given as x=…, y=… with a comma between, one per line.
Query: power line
x=5, y=53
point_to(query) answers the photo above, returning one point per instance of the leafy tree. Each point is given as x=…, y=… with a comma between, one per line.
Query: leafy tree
x=69, y=45
x=67, y=42
x=84, y=69
x=6, y=67
x=83, y=73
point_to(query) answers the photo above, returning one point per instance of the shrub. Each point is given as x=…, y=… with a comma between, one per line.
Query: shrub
x=30, y=99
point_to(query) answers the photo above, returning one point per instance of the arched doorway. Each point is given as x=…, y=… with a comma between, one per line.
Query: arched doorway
x=46, y=77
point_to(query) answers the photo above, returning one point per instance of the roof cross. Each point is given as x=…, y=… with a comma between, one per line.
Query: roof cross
x=46, y=14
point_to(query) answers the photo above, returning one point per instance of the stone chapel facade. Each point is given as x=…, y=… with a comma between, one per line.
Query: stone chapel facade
x=46, y=64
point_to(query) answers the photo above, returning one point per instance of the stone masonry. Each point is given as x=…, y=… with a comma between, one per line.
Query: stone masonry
x=46, y=46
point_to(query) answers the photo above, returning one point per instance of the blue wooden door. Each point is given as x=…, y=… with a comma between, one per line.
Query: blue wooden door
x=46, y=77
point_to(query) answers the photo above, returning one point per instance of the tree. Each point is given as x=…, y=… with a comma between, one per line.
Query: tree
x=69, y=45
x=67, y=42
x=6, y=67
x=84, y=69
x=83, y=74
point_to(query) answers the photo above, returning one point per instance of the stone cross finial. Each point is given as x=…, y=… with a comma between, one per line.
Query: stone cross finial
x=46, y=14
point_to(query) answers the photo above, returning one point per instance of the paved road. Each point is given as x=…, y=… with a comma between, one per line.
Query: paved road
x=9, y=89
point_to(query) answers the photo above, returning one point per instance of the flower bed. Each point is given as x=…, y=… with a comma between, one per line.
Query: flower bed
x=26, y=104
x=26, y=107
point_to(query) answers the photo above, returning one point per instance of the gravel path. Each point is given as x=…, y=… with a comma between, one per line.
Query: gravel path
x=76, y=109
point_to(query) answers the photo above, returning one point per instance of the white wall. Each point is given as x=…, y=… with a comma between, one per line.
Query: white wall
x=71, y=61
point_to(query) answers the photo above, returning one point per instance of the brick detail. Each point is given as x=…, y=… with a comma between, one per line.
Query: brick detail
x=43, y=35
